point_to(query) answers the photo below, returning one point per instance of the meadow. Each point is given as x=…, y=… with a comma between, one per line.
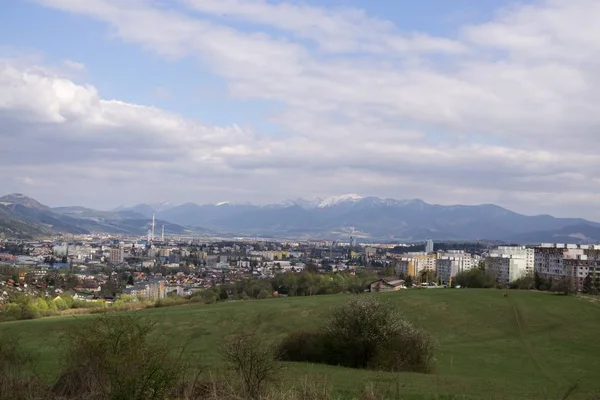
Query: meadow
x=529, y=345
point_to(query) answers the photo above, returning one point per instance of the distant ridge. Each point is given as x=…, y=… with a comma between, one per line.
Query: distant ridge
x=339, y=217
x=23, y=216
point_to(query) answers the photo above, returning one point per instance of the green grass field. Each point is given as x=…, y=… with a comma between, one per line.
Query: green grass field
x=527, y=346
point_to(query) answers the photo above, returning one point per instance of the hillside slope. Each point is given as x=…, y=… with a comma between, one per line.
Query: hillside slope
x=527, y=346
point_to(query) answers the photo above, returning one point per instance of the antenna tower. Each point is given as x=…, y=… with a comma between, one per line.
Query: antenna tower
x=153, y=225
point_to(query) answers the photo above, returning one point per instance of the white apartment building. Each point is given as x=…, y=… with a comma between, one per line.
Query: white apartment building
x=453, y=262
x=446, y=268
x=506, y=268
x=527, y=253
x=429, y=246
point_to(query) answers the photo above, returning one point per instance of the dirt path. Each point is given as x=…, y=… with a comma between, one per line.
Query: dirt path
x=520, y=322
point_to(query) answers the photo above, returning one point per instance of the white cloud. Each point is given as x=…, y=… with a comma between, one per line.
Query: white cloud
x=507, y=116
x=74, y=66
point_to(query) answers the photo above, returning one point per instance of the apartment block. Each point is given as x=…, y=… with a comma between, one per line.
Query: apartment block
x=451, y=263
x=506, y=268
x=520, y=251
x=413, y=264
x=116, y=255
x=559, y=260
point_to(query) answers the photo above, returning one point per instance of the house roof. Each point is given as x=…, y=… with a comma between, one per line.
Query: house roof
x=392, y=281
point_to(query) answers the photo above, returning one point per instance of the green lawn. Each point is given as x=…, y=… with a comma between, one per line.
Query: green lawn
x=527, y=346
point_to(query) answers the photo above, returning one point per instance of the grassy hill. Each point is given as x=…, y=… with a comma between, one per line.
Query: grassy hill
x=527, y=346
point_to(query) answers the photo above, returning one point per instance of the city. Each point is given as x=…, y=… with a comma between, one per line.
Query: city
x=299, y=200
x=93, y=269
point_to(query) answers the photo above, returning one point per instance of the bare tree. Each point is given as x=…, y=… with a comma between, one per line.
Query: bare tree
x=253, y=360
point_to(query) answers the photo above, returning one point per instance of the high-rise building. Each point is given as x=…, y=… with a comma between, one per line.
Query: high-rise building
x=429, y=246
x=117, y=255
x=506, y=268
x=558, y=261
x=520, y=251
x=452, y=263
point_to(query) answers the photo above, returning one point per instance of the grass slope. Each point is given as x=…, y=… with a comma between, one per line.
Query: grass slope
x=527, y=346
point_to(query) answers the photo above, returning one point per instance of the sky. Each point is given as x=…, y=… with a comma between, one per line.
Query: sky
x=116, y=102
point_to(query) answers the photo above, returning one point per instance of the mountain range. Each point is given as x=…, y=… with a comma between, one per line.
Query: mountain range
x=22, y=216
x=338, y=217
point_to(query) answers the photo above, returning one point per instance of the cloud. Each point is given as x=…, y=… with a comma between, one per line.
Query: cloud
x=74, y=66
x=340, y=30
x=504, y=112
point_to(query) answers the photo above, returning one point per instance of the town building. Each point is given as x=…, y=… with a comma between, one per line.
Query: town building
x=506, y=268
x=557, y=261
x=452, y=263
x=387, y=285
x=522, y=251
x=116, y=255
x=429, y=246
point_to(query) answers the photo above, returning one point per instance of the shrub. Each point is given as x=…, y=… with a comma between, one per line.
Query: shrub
x=364, y=333
x=411, y=350
x=116, y=357
x=253, y=360
x=309, y=346
x=17, y=378
x=525, y=283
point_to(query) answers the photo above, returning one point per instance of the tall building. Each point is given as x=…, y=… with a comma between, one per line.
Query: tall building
x=429, y=246
x=521, y=251
x=117, y=255
x=558, y=260
x=453, y=262
x=506, y=268
x=414, y=264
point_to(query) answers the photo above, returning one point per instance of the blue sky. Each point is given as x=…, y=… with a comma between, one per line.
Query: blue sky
x=254, y=100
x=179, y=85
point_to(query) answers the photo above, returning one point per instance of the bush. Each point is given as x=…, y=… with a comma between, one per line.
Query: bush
x=411, y=350
x=116, y=357
x=363, y=333
x=525, y=283
x=253, y=360
x=309, y=346
x=17, y=378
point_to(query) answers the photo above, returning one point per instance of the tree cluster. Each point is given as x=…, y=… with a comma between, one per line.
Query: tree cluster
x=561, y=285
x=475, y=278
x=288, y=284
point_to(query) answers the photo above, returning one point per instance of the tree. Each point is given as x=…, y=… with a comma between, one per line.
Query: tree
x=263, y=295
x=409, y=281
x=253, y=359
x=130, y=280
x=564, y=285
x=475, y=278
x=588, y=285
x=223, y=295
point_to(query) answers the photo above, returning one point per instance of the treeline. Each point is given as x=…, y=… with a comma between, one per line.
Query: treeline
x=473, y=247
x=23, y=306
x=289, y=284
x=479, y=278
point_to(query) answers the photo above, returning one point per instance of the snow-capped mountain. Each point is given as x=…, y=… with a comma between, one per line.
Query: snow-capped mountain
x=336, y=200
x=373, y=217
